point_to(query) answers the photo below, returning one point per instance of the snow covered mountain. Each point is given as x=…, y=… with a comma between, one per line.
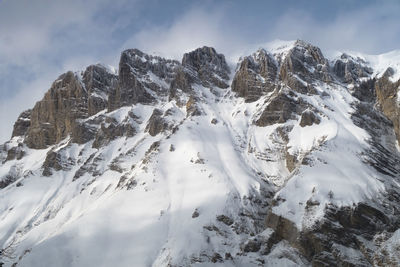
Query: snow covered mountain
x=290, y=159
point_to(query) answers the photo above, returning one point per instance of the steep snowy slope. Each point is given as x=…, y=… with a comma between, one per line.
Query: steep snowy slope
x=291, y=159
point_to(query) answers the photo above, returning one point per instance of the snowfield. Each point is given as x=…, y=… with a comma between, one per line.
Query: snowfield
x=195, y=194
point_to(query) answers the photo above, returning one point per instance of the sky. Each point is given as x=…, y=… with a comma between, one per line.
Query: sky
x=41, y=39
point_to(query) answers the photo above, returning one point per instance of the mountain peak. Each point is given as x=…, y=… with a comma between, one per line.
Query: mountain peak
x=210, y=66
x=206, y=57
x=199, y=56
x=302, y=43
x=133, y=52
x=294, y=161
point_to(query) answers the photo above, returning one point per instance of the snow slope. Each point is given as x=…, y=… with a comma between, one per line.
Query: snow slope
x=196, y=194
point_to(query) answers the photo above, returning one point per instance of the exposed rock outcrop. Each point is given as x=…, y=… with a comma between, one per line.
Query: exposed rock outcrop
x=181, y=83
x=129, y=89
x=111, y=129
x=303, y=63
x=350, y=69
x=309, y=118
x=13, y=175
x=203, y=66
x=98, y=82
x=210, y=66
x=280, y=109
x=135, y=84
x=387, y=94
x=53, y=118
x=16, y=152
x=255, y=76
x=156, y=123
x=262, y=73
x=22, y=124
x=298, y=111
x=192, y=108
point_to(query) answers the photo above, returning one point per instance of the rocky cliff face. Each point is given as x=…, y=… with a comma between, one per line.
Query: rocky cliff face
x=22, y=124
x=53, y=118
x=387, y=94
x=256, y=75
x=136, y=83
x=208, y=65
x=293, y=162
x=350, y=69
x=72, y=96
x=303, y=64
x=99, y=83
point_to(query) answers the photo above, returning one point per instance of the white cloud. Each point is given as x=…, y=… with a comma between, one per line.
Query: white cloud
x=27, y=96
x=194, y=29
x=45, y=38
x=369, y=29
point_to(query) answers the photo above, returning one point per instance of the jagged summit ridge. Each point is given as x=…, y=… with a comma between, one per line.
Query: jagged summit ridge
x=290, y=159
x=141, y=78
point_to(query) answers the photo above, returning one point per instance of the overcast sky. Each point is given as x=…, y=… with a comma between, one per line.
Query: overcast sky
x=41, y=39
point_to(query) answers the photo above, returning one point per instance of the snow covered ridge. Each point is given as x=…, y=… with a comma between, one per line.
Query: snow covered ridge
x=291, y=159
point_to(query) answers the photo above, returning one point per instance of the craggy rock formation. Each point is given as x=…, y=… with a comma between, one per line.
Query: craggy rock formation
x=141, y=79
x=210, y=66
x=132, y=87
x=256, y=75
x=351, y=70
x=16, y=152
x=69, y=99
x=309, y=118
x=156, y=123
x=98, y=82
x=111, y=129
x=387, y=94
x=280, y=109
x=22, y=124
x=202, y=66
x=304, y=63
x=181, y=83
x=271, y=151
x=53, y=118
